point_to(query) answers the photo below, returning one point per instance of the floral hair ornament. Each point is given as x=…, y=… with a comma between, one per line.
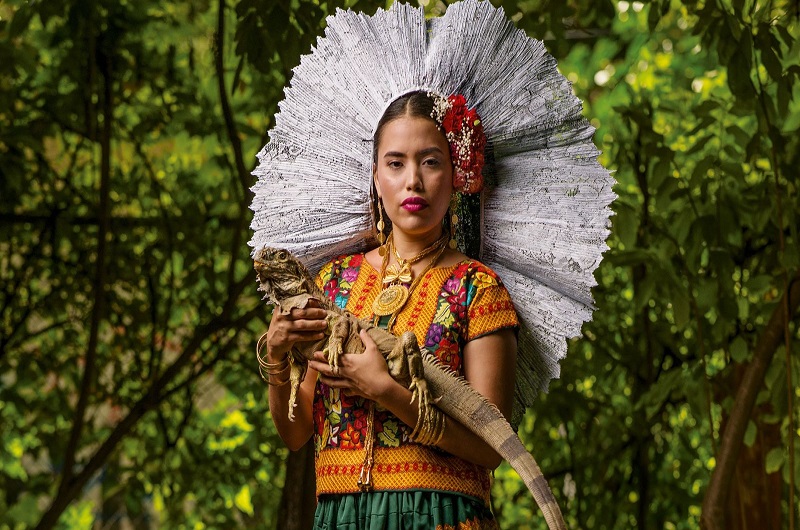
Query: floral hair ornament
x=464, y=132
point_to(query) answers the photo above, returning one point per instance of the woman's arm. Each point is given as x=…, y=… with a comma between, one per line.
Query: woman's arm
x=489, y=365
x=284, y=331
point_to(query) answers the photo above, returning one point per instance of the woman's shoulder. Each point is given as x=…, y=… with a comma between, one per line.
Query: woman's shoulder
x=476, y=273
x=488, y=302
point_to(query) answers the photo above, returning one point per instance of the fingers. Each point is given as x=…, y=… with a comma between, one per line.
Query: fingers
x=302, y=336
x=320, y=363
x=307, y=325
x=320, y=357
x=309, y=313
x=366, y=339
x=332, y=376
x=300, y=325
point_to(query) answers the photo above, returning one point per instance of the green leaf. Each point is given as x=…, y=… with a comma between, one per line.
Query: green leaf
x=700, y=170
x=661, y=171
x=750, y=433
x=774, y=459
x=753, y=146
x=739, y=69
x=680, y=309
x=626, y=224
x=786, y=37
x=703, y=124
x=728, y=307
x=739, y=350
x=705, y=108
x=770, y=60
x=742, y=138
x=744, y=308
x=243, y=501
x=758, y=285
x=784, y=88
x=655, y=397
x=790, y=259
x=20, y=22
x=644, y=291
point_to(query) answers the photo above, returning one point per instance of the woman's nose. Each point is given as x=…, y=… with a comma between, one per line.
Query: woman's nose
x=414, y=178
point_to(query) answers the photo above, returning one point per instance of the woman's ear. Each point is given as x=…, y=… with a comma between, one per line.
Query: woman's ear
x=375, y=180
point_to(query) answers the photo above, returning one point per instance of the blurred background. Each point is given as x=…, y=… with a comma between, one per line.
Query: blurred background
x=129, y=391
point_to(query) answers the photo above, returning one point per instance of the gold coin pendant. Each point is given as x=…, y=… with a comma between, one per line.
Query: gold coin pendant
x=390, y=300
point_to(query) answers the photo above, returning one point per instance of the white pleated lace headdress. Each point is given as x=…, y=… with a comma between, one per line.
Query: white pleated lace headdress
x=545, y=207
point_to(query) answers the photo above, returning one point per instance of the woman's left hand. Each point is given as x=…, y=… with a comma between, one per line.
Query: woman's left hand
x=363, y=374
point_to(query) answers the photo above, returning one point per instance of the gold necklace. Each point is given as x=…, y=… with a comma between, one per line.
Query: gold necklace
x=401, y=271
x=394, y=296
x=416, y=281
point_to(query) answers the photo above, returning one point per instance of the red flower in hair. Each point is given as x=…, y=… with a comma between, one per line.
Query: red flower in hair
x=464, y=131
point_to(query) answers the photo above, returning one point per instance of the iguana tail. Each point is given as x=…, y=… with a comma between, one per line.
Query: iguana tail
x=457, y=399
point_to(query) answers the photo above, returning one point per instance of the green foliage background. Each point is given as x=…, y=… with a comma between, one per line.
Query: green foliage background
x=127, y=133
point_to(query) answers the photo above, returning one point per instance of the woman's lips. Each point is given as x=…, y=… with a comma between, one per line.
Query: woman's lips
x=414, y=204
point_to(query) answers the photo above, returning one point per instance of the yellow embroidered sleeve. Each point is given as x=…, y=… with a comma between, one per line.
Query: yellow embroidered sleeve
x=491, y=308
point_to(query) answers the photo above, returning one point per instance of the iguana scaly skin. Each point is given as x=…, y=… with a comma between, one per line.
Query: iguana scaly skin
x=288, y=285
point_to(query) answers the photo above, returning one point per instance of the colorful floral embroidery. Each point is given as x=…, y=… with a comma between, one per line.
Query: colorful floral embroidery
x=484, y=279
x=341, y=420
x=338, y=277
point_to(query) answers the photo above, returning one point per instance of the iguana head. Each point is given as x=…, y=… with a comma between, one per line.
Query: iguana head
x=280, y=274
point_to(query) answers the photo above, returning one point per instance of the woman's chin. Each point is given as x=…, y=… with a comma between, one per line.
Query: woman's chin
x=417, y=230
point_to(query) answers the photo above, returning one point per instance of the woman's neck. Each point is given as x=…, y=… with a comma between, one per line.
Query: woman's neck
x=408, y=246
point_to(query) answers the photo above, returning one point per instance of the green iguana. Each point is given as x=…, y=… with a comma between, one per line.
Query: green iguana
x=288, y=285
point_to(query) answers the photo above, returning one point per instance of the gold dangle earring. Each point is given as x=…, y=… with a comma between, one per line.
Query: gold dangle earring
x=380, y=227
x=453, y=244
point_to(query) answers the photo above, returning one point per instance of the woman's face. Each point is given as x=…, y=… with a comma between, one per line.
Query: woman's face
x=414, y=176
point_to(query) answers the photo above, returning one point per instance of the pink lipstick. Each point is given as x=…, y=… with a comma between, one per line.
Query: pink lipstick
x=414, y=204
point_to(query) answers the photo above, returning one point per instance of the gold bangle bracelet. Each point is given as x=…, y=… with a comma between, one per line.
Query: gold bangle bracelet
x=274, y=367
x=266, y=365
x=430, y=427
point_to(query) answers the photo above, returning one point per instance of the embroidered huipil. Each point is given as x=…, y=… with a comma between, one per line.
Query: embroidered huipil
x=449, y=307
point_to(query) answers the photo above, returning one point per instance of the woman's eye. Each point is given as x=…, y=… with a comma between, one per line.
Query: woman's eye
x=395, y=164
x=431, y=162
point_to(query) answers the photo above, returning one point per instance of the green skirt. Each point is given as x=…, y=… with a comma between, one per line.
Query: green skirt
x=402, y=510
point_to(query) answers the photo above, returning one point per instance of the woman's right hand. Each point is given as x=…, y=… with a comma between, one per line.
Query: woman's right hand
x=284, y=331
x=299, y=325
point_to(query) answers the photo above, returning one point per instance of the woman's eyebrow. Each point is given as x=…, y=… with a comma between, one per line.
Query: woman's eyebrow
x=422, y=152
x=430, y=150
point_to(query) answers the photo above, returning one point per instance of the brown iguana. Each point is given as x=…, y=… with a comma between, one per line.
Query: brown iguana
x=288, y=285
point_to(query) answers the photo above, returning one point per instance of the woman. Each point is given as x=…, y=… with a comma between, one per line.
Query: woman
x=378, y=465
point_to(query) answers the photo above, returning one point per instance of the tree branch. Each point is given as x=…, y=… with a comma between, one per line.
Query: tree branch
x=98, y=309
x=716, y=496
x=230, y=123
x=233, y=136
